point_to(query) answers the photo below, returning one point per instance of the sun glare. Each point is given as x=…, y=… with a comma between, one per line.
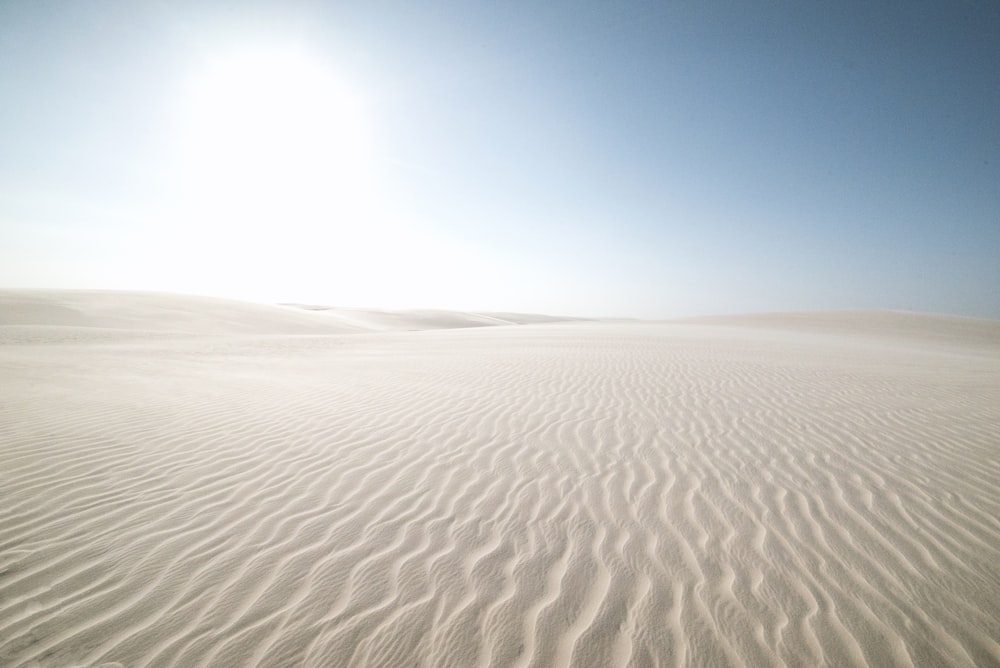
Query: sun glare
x=280, y=197
x=277, y=198
x=272, y=131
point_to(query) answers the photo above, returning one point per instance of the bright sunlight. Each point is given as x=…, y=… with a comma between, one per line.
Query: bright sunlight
x=275, y=167
x=272, y=131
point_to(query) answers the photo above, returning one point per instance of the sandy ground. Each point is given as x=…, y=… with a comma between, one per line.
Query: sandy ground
x=193, y=482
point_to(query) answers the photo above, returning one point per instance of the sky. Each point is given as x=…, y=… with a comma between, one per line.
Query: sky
x=633, y=159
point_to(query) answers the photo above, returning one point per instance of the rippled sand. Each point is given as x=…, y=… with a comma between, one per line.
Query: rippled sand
x=734, y=492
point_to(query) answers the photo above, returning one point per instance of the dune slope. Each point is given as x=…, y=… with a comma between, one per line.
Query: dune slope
x=586, y=494
x=91, y=315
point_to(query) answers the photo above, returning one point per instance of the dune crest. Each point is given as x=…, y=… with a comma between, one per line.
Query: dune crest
x=122, y=312
x=895, y=326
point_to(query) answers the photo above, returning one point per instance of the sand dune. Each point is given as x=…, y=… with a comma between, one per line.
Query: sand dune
x=103, y=314
x=895, y=326
x=569, y=493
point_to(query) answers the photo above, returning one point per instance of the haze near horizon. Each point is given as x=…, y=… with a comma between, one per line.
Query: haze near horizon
x=588, y=159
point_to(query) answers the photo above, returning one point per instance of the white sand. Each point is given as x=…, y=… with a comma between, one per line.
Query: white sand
x=34, y=315
x=249, y=488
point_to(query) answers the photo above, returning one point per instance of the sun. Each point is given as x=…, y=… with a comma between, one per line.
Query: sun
x=273, y=131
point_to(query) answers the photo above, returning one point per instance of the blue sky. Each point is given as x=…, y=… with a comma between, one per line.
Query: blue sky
x=625, y=159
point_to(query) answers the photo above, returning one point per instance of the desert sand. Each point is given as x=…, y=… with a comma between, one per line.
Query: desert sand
x=199, y=482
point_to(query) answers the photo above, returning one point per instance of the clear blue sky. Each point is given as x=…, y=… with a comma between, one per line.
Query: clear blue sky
x=605, y=158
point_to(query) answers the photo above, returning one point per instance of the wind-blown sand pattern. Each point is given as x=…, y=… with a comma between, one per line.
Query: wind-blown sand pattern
x=742, y=492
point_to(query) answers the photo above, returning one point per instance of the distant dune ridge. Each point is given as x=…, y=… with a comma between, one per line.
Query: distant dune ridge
x=188, y=481
x=149, y=312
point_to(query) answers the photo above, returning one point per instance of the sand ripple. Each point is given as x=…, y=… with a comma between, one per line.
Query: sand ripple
x=543, y=495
